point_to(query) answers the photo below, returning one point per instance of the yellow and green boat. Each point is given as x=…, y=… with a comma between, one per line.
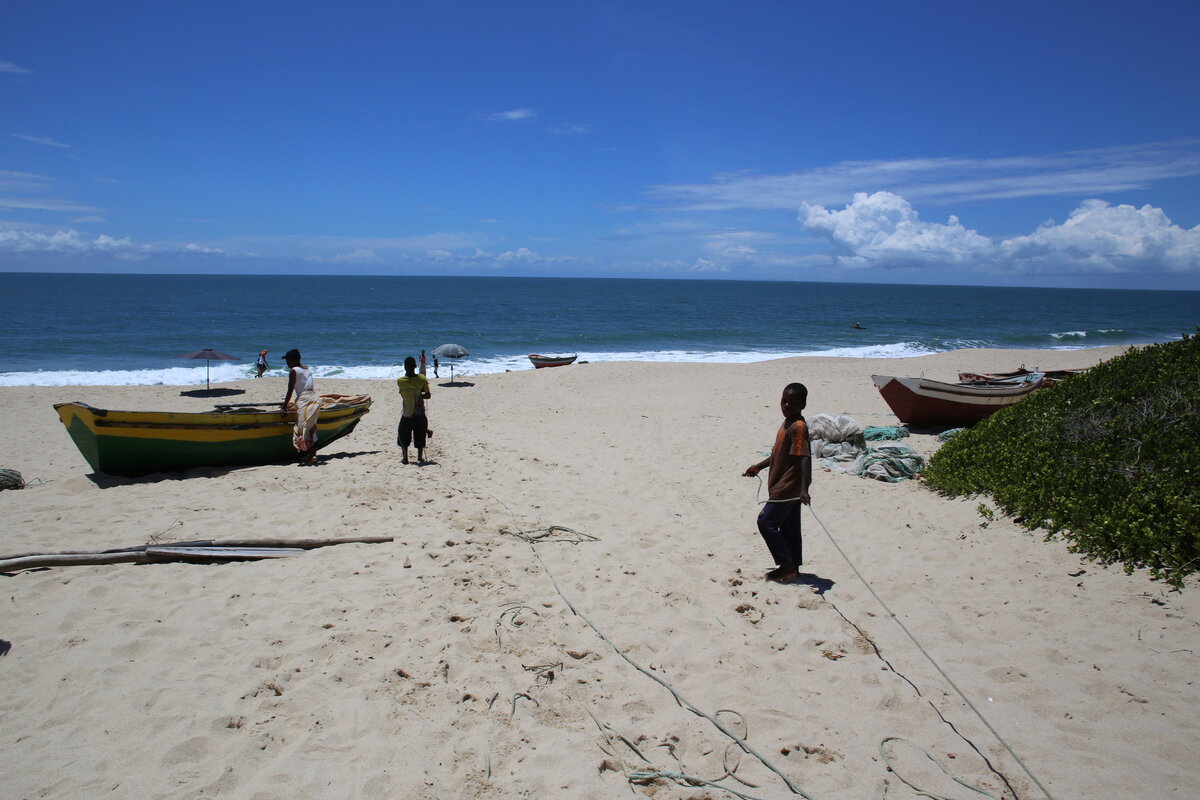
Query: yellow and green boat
x=132, y=443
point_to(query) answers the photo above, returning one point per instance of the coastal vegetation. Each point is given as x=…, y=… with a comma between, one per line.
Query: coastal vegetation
x=1109, y=460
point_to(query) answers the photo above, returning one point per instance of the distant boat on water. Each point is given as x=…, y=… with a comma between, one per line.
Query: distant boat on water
x=539, y=361
x=132, y=443
x=920, y=401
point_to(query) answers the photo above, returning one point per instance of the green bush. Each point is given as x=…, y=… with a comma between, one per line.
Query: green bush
x=1108, y=459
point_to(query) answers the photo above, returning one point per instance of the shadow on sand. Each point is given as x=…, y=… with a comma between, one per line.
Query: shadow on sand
x=819, y=585
x=211, y=392
x=456, y=383
x=105, y=481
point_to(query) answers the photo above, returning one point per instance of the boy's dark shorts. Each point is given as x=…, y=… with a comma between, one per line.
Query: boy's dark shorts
x=779, y=525
x=412, y=431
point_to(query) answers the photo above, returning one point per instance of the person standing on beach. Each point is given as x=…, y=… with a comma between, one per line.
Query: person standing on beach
x=414, y=425
x=262, y=363
x=308, y=407
x=788, y=481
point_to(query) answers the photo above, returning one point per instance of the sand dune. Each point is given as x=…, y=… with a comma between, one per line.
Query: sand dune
x=448, y=664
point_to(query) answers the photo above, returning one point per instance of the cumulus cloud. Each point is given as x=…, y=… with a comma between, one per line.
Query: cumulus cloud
x=28, y=241
x=883, y=230
x=1110, y=239
x=39, y=140
x=192, y=247
x=25, y=241
x=513, y=115
x=520, y=254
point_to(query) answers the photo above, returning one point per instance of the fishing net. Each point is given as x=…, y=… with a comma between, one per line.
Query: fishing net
x=11, y=479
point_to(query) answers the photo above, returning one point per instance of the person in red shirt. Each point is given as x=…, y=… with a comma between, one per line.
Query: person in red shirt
x=788, y=481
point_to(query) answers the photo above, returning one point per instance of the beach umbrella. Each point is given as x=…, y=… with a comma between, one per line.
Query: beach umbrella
x=452, y=352
x=208, y=354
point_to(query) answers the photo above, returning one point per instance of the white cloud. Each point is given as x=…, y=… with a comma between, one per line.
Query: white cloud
x=884, y=227
x=63, y=242
x=571, y=127
x=1104, y=238
x=513, y=115
x=11, y=181
x=192, y=247
x=520, y=254
x=10, y=68
x=731, y=243
x=360, y=256
x=328, y=247
x=44, y=205
x=72, y=242
x=39, y=140
x=883, y=230
x=944, y=180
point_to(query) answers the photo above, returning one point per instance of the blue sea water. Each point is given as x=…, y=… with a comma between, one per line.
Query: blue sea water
x=63, y=329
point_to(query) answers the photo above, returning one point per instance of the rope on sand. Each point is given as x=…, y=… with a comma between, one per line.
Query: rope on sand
x=555, y=533
x=931, y=659
x=535, y=537
x=647, y=775
x=924, y=793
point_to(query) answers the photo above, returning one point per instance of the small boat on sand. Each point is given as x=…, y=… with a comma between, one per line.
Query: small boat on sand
x=132, y=443
x=551, y=361
x=920, y=401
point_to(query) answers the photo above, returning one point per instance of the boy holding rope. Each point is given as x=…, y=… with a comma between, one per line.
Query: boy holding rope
x=790, y=475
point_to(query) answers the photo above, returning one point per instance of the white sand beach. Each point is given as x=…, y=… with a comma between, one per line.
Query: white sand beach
x=448, y=664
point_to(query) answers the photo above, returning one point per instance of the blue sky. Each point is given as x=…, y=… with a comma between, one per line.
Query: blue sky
x=1049, y=143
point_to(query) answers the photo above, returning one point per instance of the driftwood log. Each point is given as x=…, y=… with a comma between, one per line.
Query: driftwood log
x=176, y=551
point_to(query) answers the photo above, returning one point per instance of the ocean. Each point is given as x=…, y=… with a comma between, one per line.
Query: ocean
x=69, y=329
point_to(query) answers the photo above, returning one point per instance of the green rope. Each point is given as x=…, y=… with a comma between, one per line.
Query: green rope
x=931, y=659
x=644, y=776
x=742, y=743
x=555, y=533
x=887, y=760
x=533, y=540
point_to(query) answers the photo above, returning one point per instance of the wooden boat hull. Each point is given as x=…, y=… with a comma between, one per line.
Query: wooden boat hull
x=920, y=401
x=132, y=443
x=541, y=362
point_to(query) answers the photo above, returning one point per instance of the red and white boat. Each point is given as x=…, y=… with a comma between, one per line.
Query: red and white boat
x=551, y=361
x=920, y=401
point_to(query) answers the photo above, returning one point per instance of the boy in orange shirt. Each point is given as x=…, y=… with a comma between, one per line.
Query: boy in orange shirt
x=790, y=475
